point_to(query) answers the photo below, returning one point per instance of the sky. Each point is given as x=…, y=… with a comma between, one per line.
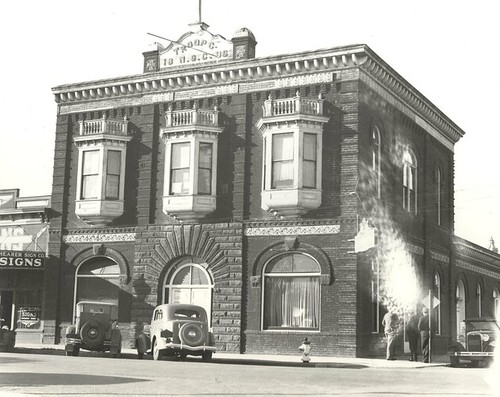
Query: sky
x=448, y=50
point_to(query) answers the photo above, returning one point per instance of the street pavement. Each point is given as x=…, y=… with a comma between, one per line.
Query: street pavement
x=263, y=359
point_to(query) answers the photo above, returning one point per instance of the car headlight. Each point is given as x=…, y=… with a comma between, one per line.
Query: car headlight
x=485, y=337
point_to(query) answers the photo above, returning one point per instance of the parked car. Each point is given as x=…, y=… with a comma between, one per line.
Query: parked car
x=480, y=340
x=177, y=330
x=7, y=337
x=95, y=329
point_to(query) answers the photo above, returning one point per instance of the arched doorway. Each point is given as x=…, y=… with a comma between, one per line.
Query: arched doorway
x=98, y=280
x=189, y=283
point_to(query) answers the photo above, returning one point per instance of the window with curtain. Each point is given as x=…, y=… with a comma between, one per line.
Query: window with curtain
x=179, y=169
x=205, y=169
x=310, y=160
x=376, y=158
x=113, y=174
x=292, y=292
x=282, y=161
x=189, y=283
x=437, y=294
x=409, y=181
x=90, y=175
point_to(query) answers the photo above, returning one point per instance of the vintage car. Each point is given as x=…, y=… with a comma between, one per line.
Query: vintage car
x=480, y=342
x=177, y=330
x=7, y=337
x=95, y=329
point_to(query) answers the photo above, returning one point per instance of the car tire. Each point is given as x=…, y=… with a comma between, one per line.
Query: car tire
x=92, y=334
x=454, y=361
x=192, y=334
x=206, y=356
x=157, y=353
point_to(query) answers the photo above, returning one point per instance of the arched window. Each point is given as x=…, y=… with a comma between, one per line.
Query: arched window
x=479, y=299
x=496, y=303
x=291, y=292
x=409, y=181
x=460, y=303
x=438, y=195
x=376, y=158
x=437, y=294
x=98, y=279
x=189, y=283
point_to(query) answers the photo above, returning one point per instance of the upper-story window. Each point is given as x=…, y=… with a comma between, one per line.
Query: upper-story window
x=102, y=149
x=191, y=142
x=438, y=177
x=293, y=132
x=376, y=149
x=409, y=181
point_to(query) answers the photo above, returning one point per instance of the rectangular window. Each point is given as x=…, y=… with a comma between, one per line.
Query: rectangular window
x=205, y=169
x=282, y=172
x=179, y=168
x=309, y=171
x=375, y=292
x=409, y=197
x=90, y=175
x=291, y=302
x=113, y=175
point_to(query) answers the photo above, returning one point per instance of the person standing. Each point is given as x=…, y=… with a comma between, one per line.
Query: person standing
x=413, y=335
x=425, y=333
x=391, y=324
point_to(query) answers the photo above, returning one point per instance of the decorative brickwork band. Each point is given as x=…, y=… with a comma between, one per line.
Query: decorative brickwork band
x=98, y=238
x=291, y=230
x=477, y=269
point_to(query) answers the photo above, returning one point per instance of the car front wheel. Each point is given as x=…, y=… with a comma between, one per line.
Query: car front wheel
x=156, y=351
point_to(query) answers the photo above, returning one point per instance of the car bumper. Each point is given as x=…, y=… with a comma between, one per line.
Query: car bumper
x=181, y=346
x=473, y=355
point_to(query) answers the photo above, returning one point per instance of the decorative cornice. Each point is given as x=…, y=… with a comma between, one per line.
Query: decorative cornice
x=259, y=74
x=479, y=254
x=477, y=269
x=440, y=257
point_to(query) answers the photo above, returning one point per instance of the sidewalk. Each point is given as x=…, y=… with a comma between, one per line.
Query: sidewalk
x=260, y=359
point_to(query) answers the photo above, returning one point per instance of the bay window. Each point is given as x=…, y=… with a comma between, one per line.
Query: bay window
x=102, y=146
x=190, y=138
x=291, y=293
x=292, y=130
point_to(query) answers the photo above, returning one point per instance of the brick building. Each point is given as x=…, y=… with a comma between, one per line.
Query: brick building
x=23, y=257
x=284, y=194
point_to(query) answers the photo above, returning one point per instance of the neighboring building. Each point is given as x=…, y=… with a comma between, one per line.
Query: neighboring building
x=23, y=256
x=283, y=194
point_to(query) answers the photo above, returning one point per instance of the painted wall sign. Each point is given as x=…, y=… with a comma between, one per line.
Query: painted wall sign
x=195, y=48
x=24, y=237
x=22, y=260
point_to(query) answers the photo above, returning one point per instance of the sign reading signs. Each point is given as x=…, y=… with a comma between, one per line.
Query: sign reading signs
x=194, y=48
x=22, y=260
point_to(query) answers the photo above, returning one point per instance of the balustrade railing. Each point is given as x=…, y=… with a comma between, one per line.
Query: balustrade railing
x=295, y=105
x=193, y=116
x=104, y=126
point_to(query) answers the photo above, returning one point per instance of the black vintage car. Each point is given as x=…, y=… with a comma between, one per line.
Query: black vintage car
x=480, y=340
x=95, y=329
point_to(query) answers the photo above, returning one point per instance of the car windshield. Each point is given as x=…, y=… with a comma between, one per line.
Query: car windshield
x=186, y=313
x=490, y=325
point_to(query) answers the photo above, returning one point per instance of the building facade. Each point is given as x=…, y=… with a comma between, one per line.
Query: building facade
x=291, y=196
x=23, y=257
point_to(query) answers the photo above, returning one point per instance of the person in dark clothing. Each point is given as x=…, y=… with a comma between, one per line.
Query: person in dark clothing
x=425, y=333
x=413, y=335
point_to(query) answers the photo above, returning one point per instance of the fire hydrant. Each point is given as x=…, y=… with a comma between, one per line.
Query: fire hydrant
x=305, y=348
